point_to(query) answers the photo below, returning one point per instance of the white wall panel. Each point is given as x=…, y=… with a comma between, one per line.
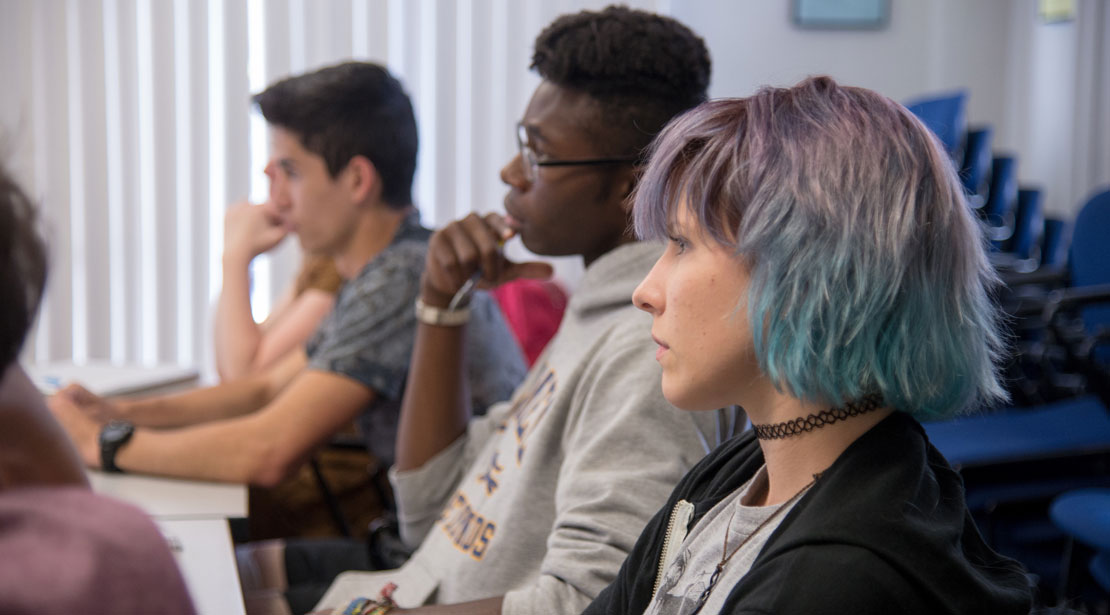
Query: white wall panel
x=51, y=169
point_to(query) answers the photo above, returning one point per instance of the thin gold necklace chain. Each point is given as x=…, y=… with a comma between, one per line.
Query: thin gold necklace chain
x=726, y=556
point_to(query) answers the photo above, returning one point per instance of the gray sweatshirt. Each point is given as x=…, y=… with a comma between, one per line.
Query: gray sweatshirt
x=543, y=497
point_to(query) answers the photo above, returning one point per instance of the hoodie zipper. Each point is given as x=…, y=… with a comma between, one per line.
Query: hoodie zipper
x=677, y=527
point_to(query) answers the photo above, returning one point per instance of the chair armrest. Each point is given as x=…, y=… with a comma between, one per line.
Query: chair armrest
x=1056, y=276
x=1076, y=296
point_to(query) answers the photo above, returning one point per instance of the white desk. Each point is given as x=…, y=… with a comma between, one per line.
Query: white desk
x=193, y=516
x=171, y=498
x=202, y=548
x=107, y=379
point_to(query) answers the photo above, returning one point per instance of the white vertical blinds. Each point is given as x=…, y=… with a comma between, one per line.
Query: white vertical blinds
x=130, y=122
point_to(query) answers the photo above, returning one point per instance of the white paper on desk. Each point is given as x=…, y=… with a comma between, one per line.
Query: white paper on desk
x=106, y=379
x=414, y=587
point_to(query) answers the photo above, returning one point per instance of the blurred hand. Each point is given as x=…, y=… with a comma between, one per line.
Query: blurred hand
x=95, y=407
x=250, y=230
x=81, y=427
x=464, y=247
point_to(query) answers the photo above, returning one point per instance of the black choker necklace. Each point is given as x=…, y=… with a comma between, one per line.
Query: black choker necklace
x=806, y=424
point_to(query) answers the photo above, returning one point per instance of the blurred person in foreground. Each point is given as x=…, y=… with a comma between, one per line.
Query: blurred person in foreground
x=64, y=549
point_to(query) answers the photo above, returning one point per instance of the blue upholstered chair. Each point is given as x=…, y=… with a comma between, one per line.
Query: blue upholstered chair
x=1084, y=515
x=946, y=116
x=1014, y=461
x=1089, y=256
x=1053, y=241
x=976, y=166
x=1028, y=225
x=998, y=211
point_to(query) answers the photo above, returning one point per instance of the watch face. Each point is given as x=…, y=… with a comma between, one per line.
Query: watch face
x=117, y=431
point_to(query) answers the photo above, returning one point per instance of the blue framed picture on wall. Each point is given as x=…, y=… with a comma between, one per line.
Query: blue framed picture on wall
x=841, y=14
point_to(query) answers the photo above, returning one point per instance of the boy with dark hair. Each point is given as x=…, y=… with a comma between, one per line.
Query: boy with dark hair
x=329, y=111
x=343, y=157
x=384, y=133
x=532, y=508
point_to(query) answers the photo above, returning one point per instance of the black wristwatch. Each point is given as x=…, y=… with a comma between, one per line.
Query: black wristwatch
x=112, y=436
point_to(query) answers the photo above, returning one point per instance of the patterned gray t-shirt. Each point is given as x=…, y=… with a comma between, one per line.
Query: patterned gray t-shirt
x=689, y=574
x=369, y=336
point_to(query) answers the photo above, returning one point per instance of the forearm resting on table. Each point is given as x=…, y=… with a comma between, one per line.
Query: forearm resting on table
x=262, y=448
x=219, y=451
x=223, y=401
x=196, y=406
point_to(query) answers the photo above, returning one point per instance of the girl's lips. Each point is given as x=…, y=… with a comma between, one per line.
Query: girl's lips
x=663, y=348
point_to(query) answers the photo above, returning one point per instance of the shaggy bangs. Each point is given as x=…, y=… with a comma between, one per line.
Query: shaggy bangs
x=696, y=161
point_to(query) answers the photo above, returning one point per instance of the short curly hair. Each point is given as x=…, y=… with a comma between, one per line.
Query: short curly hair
x=642, y=69
x=22, y=267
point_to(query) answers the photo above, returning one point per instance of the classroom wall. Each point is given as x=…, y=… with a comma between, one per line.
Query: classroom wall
x=1042, y=86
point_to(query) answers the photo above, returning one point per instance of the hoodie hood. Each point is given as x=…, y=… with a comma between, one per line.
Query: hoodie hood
x=610, y=280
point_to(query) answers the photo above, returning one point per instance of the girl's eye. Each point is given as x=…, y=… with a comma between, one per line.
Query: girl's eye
x=679, y=244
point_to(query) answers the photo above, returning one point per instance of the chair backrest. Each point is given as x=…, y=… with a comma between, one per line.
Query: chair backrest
x=1001, y=200
x=1028, y=224
x=946, y=116
x=975, y=170
x=1089, y=254
x=1053, y=242
x=1090, y=243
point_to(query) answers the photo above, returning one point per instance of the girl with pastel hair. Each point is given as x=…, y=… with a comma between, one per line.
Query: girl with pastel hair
x=823, y=271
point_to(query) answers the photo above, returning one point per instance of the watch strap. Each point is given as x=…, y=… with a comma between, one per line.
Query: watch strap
x=441, y=317
x=112, y=437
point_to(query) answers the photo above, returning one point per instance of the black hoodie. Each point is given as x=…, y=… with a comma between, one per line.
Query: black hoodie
x=884, y=530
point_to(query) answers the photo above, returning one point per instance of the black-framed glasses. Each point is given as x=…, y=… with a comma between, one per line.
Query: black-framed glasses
x=532, y=164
